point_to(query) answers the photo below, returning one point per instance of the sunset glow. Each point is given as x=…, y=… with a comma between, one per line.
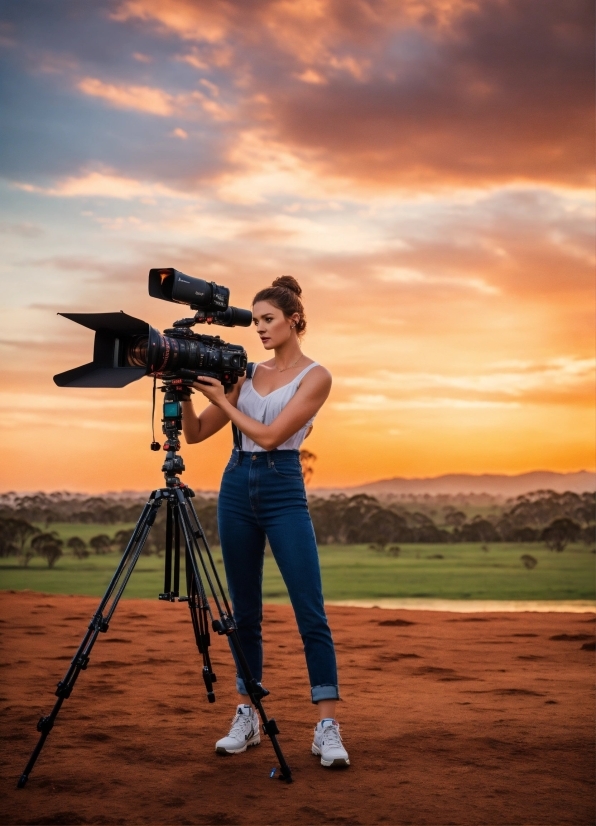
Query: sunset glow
x=424, y=168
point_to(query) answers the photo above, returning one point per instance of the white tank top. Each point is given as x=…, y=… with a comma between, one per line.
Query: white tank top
x=267, y=408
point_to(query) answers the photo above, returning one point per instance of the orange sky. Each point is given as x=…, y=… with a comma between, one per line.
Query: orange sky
x=423, y=167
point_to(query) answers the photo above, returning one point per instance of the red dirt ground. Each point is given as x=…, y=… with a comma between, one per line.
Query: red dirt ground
x=448, y=718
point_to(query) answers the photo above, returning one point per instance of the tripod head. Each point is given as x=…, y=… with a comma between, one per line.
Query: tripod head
x=175, y=392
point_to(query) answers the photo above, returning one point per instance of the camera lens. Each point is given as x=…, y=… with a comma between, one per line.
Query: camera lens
x=158, y=353
x=136, y=352
x=154, y=352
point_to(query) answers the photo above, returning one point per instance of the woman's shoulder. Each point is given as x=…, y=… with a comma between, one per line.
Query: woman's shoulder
x=317, y=374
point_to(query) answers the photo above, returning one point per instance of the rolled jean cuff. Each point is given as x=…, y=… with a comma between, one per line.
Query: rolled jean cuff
x=241, y=685
x=324, y=692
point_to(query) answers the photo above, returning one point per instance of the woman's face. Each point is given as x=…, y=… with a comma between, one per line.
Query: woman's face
x=273, y=327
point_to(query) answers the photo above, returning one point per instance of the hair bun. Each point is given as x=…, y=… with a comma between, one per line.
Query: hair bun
x=289, y=282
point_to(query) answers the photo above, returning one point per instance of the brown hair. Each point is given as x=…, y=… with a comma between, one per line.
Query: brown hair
x=285, y=294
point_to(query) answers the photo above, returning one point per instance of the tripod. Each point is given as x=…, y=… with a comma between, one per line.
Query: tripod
x=182, y=528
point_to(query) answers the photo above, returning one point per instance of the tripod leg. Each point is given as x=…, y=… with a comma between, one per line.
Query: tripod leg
x=176, y=549
x=256, y=693
x=172, y=552
x=167, y=577
x=99, y=624
x=199, y=615
x=199, y=610
x=225, y=625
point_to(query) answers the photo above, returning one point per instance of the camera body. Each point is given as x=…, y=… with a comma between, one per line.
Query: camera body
x=127, y=348
x=192, y=354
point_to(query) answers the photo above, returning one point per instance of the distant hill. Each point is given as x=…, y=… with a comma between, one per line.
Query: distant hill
x=492, y=486
x=453, y=484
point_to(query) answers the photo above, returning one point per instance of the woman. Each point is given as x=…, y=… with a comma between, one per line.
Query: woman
x=262, y=497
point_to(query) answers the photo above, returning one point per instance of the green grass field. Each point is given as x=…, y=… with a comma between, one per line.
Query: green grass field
x=466, y=571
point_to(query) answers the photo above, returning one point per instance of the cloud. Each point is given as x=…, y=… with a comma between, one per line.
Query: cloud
x=191, y=21
x=14, y=418
x=153, y=101
x=361, y=95
x=383, y=404
x=57, y=403
x=24, y=229
x=506, y=252
x=417, y=94
x=311, y=76
x=406, y=275
x=554, y=378
x=141, y=98
x=104, y=185
x=464, y=103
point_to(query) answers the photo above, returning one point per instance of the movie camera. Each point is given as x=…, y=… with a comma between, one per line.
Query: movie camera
x=126, y=348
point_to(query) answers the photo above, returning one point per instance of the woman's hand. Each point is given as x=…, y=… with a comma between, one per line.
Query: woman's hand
x=213, y=417
x=212, y=389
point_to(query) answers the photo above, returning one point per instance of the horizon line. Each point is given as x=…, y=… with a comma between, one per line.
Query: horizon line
x=476, y=476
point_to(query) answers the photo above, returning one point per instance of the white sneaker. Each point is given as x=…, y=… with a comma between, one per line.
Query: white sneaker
x=244, y=732
x=327, y=743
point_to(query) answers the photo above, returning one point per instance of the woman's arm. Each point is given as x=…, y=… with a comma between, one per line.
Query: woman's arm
x=209, y=421
x=308, y=399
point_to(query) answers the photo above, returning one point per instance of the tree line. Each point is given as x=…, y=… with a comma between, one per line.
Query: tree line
x=555, y=519
x=48, y=508
x=544, y=516
x=22, y=536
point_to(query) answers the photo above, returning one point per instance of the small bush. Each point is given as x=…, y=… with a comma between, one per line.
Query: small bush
x=528, y=561
x=380, y=548
x=48, y=546
x=101, y=543
x=77, y=547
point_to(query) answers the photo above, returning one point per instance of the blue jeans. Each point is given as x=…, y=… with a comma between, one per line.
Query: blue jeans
x=262, y=496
